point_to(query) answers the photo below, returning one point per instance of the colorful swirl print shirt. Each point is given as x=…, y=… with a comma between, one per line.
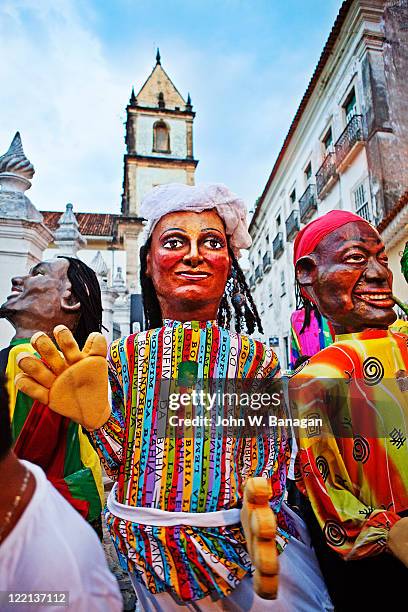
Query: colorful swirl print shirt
x=53, y=442
x=203, y=474
x=354, y=467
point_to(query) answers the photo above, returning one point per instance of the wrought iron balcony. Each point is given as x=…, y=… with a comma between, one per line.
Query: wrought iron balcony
x=308, y=204
x=267, y=262
x=364, y=212
x=326, y=175
x=252, y=281
x=349, y=143
x=292, y=225
x=277, y=245
x=258, y=274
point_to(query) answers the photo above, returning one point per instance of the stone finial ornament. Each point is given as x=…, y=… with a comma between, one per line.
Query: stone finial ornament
x=118, y=281
x=98, y=264
x=15, y=174
x=68, y=238
x=15, y=169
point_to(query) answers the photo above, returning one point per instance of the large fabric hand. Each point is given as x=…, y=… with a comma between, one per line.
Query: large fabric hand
x=74, y=384
x=259, y=525
x=397, y=541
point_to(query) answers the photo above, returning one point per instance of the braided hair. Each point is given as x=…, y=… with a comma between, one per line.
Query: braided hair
x=304, y=303
x=237, y=295
x=86, y=289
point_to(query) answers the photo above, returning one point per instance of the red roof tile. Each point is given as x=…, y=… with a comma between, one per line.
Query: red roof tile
x=90, y=224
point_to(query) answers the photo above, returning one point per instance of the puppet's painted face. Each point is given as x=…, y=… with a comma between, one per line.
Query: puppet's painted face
x=40, y=294
x=351, y=282
x=188, y=260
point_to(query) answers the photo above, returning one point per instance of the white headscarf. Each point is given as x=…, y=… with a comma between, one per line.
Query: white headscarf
x=175, y=197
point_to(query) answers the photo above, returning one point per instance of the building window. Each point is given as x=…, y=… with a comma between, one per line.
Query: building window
x=350, y=106
x=270, y=295
x=292, y=197
x=283, y=285
x=278, y=222
x=308, y=172
x=267, y=240
x=361, y=202
x=161, y=137
x=327, y=140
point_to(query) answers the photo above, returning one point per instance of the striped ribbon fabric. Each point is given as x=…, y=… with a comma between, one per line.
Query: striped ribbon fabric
x=204, y=473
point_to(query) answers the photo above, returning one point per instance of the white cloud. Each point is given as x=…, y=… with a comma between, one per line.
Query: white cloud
x=66, y=92
x=61, y=93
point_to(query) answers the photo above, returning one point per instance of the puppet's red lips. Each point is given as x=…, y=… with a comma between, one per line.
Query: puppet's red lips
x=380, y=299
x=14, y=293
x=196, y=276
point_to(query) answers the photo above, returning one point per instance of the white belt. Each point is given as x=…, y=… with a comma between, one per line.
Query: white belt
x=163, y=518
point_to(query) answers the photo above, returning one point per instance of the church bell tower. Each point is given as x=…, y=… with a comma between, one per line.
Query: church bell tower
x=159, y=139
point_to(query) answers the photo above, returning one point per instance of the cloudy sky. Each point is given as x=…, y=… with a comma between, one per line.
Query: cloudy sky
x=68, y=67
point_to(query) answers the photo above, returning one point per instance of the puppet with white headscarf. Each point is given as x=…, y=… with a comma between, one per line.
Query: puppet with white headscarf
x=174, y=511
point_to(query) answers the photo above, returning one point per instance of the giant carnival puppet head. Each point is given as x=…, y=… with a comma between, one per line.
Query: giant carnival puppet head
x=60, y=291
x=342, y=268
x=189, y=267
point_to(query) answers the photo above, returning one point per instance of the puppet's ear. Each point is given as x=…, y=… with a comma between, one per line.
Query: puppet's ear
x=306, y=272
x=68, y=302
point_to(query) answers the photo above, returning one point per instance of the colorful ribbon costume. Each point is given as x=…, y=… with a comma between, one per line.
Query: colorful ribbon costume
x=197, y=475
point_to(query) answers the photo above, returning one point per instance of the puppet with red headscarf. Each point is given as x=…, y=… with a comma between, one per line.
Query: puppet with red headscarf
x=354, y=464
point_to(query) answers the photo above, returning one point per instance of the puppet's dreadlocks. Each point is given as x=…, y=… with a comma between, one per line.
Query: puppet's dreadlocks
x=86, y=289
x=237, y=295
x=303, y=303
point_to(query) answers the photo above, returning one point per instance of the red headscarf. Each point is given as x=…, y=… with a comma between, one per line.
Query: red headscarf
x=309, y=237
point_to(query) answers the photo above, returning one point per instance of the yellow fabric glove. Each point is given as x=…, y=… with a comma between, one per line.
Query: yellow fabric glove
x=259, y=525
x=74, y=384
x=397, y=541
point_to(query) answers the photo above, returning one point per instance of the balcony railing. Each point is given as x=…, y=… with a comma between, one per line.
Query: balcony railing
x=266, y=261
x=308, y=204
x=364, y=212
x=326, y=175
x=349, y=141
x=292, y=225
x=258, y=274
x=277, y=245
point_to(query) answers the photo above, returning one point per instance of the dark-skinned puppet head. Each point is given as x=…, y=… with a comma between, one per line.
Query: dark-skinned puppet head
x=62, y=291
x=341, y=267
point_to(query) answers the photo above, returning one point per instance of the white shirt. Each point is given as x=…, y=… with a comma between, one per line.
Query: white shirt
x=52, y=548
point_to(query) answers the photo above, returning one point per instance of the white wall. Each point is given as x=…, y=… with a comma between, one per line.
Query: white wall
x=145, y=178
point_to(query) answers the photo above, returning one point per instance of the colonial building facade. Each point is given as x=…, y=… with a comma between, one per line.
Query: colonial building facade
x=159, y=150
x=347, y=148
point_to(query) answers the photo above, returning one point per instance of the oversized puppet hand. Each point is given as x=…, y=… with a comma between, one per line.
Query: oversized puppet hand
x=397, y=541
x=74, y=384
x=259, y=524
